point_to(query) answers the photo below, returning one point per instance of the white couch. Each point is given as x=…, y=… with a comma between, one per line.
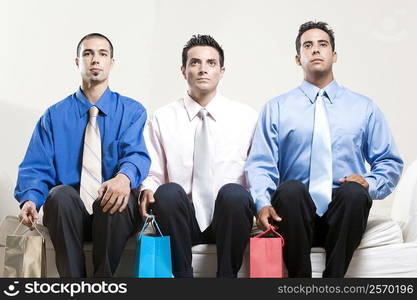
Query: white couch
x=388, y=248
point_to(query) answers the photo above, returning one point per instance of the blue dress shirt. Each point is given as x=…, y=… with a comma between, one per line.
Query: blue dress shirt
x=281, y=146
x=54, y=155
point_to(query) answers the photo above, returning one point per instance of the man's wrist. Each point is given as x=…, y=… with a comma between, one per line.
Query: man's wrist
x=123, y=177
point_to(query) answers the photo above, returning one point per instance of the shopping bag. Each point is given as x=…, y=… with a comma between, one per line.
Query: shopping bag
x=266, y=255
x=25, y=255
x=153, y=256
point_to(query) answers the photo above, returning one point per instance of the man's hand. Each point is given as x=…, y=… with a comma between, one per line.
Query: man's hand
x=146, y=198
x=114, y=194
x=265, y=215
x=28, y=214
x=356, y=178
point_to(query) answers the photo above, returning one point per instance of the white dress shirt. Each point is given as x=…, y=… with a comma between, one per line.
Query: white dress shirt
x=170, y=133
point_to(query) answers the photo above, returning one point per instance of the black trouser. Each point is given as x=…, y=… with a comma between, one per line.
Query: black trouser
x=339, y=230
x=69, y=225
x=230, y=228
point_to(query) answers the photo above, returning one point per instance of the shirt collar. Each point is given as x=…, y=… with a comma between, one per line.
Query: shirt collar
x=104, y=103
x=311, y=91
x=192, y=107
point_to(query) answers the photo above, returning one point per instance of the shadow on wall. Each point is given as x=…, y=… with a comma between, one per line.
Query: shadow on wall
x=16, y=123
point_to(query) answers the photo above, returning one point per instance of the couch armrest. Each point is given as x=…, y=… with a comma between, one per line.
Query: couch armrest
x=404, y=207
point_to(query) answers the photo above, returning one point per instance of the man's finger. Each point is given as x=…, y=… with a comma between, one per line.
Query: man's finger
x=274, y=215
x=125, y=203
x=106, y=197
x=101, y=190
x=117, y=204
x=110, y=202
x=144, y=207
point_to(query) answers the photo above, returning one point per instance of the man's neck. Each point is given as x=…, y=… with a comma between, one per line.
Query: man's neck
x=202, y=98
x=319, y=80
x=93, y=91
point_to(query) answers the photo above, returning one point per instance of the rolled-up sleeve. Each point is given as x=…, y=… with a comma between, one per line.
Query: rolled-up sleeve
x=382, y=155
x=134, y=160
x=36, y=174
x=157, y=174
x=261, y=168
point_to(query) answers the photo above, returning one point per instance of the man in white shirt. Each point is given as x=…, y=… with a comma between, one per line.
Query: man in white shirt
x=198, y=146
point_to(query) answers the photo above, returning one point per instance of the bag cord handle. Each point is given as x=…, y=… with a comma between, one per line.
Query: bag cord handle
x=271, y=229
x=150, y=219
x=36, y=227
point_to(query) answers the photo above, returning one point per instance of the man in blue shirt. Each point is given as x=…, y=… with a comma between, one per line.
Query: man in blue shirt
x=306, y=169
x=85, y=156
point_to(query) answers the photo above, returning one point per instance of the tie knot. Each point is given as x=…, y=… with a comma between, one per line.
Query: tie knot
x=203, y=113
x=93, y=111
x=321, y=93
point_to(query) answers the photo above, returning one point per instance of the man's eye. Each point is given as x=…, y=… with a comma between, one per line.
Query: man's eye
x=323, y=44
x=103, y=54
x=212, y=63
x=86, y=53
x=307, y=46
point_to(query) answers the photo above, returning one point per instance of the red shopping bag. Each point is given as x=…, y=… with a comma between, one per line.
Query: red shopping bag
x=266, y=255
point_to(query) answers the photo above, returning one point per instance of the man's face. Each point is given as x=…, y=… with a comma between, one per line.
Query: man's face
x=316, y=53
x=202, y=70
x=94, y=60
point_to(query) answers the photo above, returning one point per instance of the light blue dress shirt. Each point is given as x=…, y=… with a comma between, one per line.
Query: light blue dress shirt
x=54, y=155
x=281, y=146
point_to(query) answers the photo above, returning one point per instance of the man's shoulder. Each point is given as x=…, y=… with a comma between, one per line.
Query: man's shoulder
x=348, y=93
x=62, y=105
x=130, y=103
x=285, y=97
x=169, y=109
x=238, y=106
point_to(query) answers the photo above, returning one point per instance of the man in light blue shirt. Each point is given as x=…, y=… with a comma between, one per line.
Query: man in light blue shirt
x=287, y=172
x=86, y=154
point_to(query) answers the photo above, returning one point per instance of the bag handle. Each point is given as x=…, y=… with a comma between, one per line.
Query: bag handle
x=150, y=219
x=271, y=229
x=18, y=226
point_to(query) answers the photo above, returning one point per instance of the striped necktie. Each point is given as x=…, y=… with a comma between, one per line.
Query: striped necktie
x=321, y=177
x=91, y=165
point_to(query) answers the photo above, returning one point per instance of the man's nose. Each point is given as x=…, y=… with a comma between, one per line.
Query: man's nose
x=203, y=68
x=95, y=59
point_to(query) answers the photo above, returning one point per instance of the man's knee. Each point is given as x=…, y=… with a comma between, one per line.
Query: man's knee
x=355, y=194
x=169, y=196
x=291, y=191
x=233, y=196
x=61, y=195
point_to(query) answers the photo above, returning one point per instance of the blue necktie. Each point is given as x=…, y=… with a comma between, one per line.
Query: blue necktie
x=321, y=176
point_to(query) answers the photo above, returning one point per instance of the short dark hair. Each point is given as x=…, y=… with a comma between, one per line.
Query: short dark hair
x=314, y=25
x=202, y=40
x=94, y=35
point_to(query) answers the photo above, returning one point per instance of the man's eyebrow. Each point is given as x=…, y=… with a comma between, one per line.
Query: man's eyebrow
x=323, y=41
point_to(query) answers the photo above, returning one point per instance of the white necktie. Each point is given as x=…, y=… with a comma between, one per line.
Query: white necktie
x=91, y=165
x=321, y=177
x=202, y=186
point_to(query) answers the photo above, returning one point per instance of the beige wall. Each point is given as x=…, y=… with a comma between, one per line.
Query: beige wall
x=375, y=40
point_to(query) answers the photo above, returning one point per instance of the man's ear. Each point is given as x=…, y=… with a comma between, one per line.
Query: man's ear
x=297, y=60
x=334, y=57
x=112, y=63
x=222, y=70
x=183, y=72
x=77, y=62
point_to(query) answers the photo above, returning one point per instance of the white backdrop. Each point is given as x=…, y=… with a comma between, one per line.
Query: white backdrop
x=375, y=40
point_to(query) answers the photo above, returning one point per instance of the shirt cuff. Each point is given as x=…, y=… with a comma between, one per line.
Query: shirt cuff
x=372, y=190
x=149, y=184
x=32, y=196
x=130, y=171
x=261, y=203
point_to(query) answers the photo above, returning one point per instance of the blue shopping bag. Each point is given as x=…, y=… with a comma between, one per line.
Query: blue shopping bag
x=153, y=256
